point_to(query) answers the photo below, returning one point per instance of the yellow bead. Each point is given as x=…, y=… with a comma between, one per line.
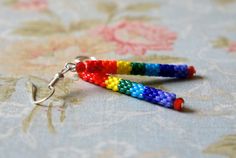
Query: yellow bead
x=109, y=87
x=115, y=89
x=112, y=83
x=123, y=67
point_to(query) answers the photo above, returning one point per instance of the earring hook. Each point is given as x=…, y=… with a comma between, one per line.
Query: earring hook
x=57, y=77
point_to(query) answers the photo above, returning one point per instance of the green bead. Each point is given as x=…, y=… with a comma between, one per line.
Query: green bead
x=138, y=68
x=129, y=86
x=122, y=83
x=121, y=90
x=124, y=86
x=127, y=92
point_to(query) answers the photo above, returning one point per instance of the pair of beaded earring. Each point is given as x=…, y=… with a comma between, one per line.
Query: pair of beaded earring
x=100, y=72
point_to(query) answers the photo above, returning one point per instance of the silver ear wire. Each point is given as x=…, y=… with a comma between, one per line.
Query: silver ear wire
x=34, y=91
x=57, y=77
x=83, y=58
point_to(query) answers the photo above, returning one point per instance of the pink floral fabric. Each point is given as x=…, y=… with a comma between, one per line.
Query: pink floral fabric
x=232, y=47
x=81, y=120
x=37, y=5
x=137, y=37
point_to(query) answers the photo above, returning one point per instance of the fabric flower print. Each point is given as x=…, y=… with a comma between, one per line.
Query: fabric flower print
x=232, y=47
x=226, y=43
x=137, y=37
x=36, y=5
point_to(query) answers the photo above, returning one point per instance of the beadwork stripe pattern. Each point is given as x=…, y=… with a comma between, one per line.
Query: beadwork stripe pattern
x=133, y=89
x=135, y=68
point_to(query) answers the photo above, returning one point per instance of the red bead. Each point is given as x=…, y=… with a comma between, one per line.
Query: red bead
x=109, y=66
x=191, y=71
x=93, y=66
x=80, y=67
x=97, y=66
x=95, y=78
x=178, y=104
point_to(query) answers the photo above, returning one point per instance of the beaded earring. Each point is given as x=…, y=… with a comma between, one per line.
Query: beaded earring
x=100, y=72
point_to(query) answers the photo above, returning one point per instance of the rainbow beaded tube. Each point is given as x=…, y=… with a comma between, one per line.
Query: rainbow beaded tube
x=134, y=68
x=134, y=89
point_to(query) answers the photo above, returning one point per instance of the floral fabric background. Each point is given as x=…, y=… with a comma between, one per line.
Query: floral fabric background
x=82, y=120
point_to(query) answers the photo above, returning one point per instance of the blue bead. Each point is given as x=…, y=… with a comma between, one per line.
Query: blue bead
x=133, y=94
x=168, y=105
x=181, y=71
x=158, y=96
x=152, y=69
x=136, y=90
x=158, y=99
